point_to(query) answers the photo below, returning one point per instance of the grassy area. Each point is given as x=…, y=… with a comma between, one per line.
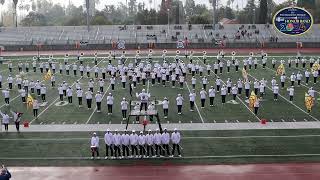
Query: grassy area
x=281, y=110
x=251, y=146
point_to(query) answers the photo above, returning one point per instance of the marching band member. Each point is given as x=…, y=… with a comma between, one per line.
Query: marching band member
x=175, y=139
x=142, y=142
x=94, y=146
x=165, y=106
x=79, y=96
x=110, y=103
x=203, y=96
x=192, y=97
x=165, y=140
x=109, y=141
x=134, y=142
x=89, y=98
x=124, y=108
x=98, y=98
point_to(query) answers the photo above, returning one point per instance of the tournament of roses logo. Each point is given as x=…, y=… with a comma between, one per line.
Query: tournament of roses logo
x=293, y=21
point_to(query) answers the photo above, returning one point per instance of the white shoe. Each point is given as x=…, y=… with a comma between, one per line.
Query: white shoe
x=92, y=157
x=180, y=156
x=98, y=157
x=106, y=157
x=171, y=156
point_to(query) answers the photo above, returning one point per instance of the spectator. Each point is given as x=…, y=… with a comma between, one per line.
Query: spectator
x=4, y=174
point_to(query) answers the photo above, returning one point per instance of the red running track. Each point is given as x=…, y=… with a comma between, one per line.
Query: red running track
x=303, y=171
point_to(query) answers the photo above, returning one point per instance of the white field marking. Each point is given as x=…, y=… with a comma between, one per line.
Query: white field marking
x=57, y=99
x=183, y=157
x=289, y=101
x=188, y=137
x=51, y=104
x=95, y=109
x=289, y=79
x=195, y=104
x=15, y=97
x=237, y=96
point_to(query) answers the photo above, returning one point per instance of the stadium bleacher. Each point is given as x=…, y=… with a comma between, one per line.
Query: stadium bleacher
x=60, y=35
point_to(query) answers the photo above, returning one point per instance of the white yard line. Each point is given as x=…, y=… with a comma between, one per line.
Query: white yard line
x=289, y=79
x=237, y=96
x=15, y=97
x=183, y=157
x=185, y=138
x=195, y=104
x=51, y=104
x=57, y=98
x=289, y=101
x=95, y=109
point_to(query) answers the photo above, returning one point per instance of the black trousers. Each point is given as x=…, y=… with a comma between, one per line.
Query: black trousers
x=112, y=87
x=35, y=112
x=95, y=150
x=124, y=113
x=142, y=150
x=109, y=108
x=150, y=150
x=165, y=112
x=307, y=80
x=158, y=149
x=247, y=92
x=89, y=102
x=223, y=98
x=143, y=104
x=101, y=88
x=10, y=85
x=61, y=97
x=134, y=150
x=43, y=97
x=17, y=123
x=117, y=151
x=166, y=149
x=192, y=105
x=99, y=106
x=203, y=102
x=179, y=108
x=107, y=150
x=80, y=101
x=6, y=127
x=174, y=147
x=291, y=98
x=6, y=100
x=125, y=150
x=256, y=110
x=211, y=101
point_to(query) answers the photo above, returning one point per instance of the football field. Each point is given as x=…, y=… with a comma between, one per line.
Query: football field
x=54, y=112
x=210, y=146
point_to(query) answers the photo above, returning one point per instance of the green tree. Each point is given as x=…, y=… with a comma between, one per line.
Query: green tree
x=34, y=19
x=99, y=19
x=263, y=12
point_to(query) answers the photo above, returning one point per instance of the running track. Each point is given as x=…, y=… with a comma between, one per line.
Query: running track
x=196, y=172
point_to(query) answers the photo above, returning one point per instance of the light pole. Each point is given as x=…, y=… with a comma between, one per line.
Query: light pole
x=168, y=12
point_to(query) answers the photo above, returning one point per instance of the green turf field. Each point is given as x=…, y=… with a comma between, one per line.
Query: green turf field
x=243, y=146
x=281, y=110
x=205, y=147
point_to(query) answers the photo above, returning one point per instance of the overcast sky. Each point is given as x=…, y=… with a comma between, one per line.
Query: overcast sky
x=156, y=3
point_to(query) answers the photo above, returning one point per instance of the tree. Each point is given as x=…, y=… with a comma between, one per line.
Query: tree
x=34, y=19
x=15, y=19
x=99, y=19
x=263, y=15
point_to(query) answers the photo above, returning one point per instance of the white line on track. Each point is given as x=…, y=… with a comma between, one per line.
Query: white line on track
x=195, y=104
x=95, y=109
x=237, y=96
x=289, y=101
x=183, y=157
